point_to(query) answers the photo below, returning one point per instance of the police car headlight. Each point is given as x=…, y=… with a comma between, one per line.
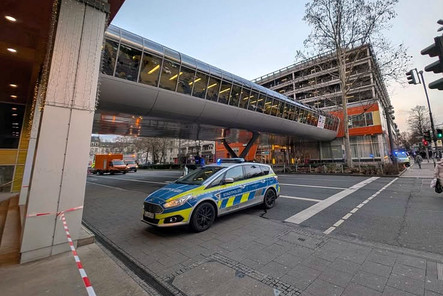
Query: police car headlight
x=178, y=202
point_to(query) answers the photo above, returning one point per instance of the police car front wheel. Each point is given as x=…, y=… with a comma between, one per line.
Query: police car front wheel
x=203, y=217
x=269, y=200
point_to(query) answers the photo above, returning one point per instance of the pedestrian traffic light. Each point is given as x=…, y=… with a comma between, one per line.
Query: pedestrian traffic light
x=425, y=143
x=412, y=79
x=439, y=134
x=433, y=50
x=427, y=135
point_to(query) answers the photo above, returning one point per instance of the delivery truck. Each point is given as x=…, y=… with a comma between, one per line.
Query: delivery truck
x=109, y=163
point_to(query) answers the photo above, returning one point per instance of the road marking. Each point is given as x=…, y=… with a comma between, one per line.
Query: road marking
x=301, y=198
x=320, y=206
x=339, y=222
x=312, y=186
x=345, y=217
x=440, y=271
x=113, y=187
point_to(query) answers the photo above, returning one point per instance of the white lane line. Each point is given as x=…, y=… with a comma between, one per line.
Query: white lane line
x=338, y=223
x=112, y=187
x=345, y=217
x=301, y=198
x=331, y=229
x=320, y=206
x=440, y=271
x=313, y=186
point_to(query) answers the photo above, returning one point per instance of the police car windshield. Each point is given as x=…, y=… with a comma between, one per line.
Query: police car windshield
x=198, y=176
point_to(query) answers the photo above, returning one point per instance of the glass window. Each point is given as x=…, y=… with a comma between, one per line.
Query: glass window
x=11, y=116
x=291, y=112
x=301, y=116
x=168, y=79
x=253, y=100
x=185, y=80
x=245, y=94
x=198, y=176
x=150, y=69
x=235, y=173
x=252, y=171
x=285, y=111
x=265, y=169
x=369, y=120
x=6, y=176
x=261, y=103
x=199, y=84
x=235, y=95
x=109, y=57
x=213, y=88
x=225, y=91
x=268, y=105
x=128, y=63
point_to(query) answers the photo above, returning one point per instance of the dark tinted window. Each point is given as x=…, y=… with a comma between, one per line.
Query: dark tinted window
x=11, y=118
x=213, y=88
x=168, y=79
x=185, y=80
x=128, y=63
x=244, y=97
x=235, y=95
x=252, y=171
x=198, y=176
x=109, y=57
x=235, y=173
x=225, y=91
x=199, y=84
x=150, y=69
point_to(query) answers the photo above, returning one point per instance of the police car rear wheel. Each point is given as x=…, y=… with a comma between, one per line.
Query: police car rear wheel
x=203, y=217
x=269, y=200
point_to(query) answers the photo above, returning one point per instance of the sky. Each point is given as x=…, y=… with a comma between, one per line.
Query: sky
x=252, y=38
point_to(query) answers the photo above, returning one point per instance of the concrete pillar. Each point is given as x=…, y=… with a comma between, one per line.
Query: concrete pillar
x=58, y=177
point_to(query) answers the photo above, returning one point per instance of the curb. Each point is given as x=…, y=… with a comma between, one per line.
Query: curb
x=148, y=278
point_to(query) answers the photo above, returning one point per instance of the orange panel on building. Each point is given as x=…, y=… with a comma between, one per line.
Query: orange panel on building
x=358, y=131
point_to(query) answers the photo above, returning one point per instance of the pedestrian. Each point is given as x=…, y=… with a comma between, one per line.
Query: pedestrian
x=438, y=174
x=419, y=160
x=202, y=161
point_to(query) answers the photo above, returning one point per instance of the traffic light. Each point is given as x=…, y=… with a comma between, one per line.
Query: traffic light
x=427, y=136
x=412, y=79
x=439, y=134
x=433, y=50
x=425, y=143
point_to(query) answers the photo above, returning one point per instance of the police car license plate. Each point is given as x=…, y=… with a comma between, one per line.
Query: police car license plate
x=149, y=215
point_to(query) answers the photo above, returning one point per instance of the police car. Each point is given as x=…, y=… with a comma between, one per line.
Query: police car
x=211, y=191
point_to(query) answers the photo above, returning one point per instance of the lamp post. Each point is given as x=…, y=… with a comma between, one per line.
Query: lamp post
x=388, y=113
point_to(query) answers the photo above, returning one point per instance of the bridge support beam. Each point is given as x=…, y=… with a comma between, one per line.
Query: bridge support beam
x=57, y=174
x=245, y=151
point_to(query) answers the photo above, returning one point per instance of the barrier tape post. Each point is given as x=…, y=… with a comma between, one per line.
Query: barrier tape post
x=83, y=274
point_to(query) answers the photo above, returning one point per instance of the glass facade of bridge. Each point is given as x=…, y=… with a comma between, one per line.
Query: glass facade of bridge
x=131, y=57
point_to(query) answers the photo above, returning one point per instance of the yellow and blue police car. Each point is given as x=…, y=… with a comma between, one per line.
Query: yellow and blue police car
x=211, y=191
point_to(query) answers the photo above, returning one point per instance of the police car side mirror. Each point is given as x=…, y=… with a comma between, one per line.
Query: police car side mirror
x=228, y=181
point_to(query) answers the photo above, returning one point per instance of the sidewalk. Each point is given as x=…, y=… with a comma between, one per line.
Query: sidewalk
x=426, y=171
x=58, y=275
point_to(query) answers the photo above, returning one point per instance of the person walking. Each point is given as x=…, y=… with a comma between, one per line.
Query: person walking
x=438, y=174
x=419, y=160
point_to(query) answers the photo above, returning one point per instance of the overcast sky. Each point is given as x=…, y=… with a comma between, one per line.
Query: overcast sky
x=251, y=38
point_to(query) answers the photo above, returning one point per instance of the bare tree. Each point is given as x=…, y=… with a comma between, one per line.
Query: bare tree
x=419, y=122
x=343, y=27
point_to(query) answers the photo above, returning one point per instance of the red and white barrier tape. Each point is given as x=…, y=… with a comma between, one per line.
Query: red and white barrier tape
x=55, y=213
x=85, y=278
x=61, y=214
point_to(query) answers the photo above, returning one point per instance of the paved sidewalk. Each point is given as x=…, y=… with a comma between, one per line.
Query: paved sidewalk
x=426, y=171
x=59, y=275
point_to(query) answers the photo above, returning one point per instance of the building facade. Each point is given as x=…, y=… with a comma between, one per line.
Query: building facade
x=316, y=82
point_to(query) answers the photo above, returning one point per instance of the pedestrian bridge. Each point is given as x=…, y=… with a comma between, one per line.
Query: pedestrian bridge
x=146, y=87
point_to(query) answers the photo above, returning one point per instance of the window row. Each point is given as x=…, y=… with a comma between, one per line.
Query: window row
x=147, y=68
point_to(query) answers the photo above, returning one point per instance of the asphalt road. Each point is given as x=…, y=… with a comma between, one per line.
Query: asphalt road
x=401, y=212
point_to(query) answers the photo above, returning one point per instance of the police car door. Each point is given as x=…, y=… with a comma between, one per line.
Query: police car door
x=230, y=197
x=256, y=187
